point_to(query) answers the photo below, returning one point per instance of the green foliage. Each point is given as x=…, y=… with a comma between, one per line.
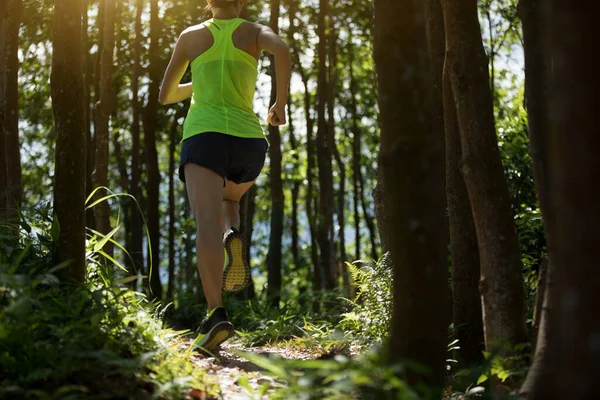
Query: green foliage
x=369, y=320
x=366, y=376
x=94, y=341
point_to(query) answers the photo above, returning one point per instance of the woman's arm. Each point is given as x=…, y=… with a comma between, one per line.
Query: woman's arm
x=171, y=90
x=273, y=44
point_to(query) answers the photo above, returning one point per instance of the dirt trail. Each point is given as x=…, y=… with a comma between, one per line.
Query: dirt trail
x=229, y=367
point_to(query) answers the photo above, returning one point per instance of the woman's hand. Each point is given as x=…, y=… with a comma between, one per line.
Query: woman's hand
x=277, y=115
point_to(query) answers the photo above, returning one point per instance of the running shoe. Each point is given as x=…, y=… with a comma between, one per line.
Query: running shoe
x=214, y=330
x=236, y=275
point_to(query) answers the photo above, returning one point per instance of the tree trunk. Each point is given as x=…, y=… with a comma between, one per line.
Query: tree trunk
x=68, y=103
x=539, y=301
x=567, y=358
x=466, y=304
x=248, y=208
x=310, y=159
x=341, y=194
x=295, y=187
x=10, y=160
x=89, y=78
x=325, y=215
x=150, y=127
x=356, y=150
x=103, y=111
x=501, y=284
x=277, y=197
x=137, y=227
x=411, y=158
x=172, y=143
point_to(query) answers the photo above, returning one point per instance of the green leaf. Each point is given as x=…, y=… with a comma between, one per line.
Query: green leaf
x=102, y=242
x=482, y=379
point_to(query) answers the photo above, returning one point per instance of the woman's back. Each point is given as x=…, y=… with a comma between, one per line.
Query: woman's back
x=223, y=57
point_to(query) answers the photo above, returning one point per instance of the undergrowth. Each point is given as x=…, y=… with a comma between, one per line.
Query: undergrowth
x=94, y=341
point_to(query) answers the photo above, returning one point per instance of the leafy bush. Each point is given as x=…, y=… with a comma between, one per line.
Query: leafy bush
x=99, y=340
x=369, y=320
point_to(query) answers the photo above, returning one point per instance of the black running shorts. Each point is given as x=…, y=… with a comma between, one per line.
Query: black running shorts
x=236, y=159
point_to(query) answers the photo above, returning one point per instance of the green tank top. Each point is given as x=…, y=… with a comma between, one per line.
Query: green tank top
x=223, y=84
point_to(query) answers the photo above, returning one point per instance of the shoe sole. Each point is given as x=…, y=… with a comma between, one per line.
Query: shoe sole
x=219, y=334
x=236, y=275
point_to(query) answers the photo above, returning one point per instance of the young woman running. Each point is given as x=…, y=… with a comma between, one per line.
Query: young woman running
x=224, y=146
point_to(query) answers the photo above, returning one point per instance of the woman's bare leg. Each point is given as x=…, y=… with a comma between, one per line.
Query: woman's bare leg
x=205, y=191
x=231, y=203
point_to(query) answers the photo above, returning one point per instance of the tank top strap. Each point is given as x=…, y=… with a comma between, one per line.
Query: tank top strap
x=223, y=29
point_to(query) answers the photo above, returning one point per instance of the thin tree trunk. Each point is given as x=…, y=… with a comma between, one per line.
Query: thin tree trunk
x=539, y=301
x=295, y=187
x=412, y=158
x=277, y=197
x=248, y=209
x=341, y=195
x=368, y=218
x=68, y=102
x=89, y=78
x=501, y=285
x=325, y=215
x=137, y=228
x=152, y=172
x=356, y=149
x=310, y=159
x=466, y=302
x=12, y=192
x=172, y=143
x=567, y=357
x=538, y=77
x=103, y=111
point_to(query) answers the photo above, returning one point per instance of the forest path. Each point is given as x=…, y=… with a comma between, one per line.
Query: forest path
x=228, y=368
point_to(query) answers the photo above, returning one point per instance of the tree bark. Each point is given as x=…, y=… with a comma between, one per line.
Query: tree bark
x=68, y=103
x=325, y=215
x=89, y=78
x=310, y=159
x=10, y=161
x=295, y=186
x=152, y=171
x=466, y=304
x=103, y=111
x=501, y=284
x=411, y=158
x=539, y=301
x=356, y=150
x=248, y=209
x=137, y=227
x=567, y=360
x=277, y=197
x=172, y=143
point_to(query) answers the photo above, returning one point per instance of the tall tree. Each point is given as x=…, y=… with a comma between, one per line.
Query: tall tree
x=341, y=194
x=276, y=184
x=501, y=285
x=310, y=157
x=325, y=215
x=295, y=185
x=466, y=304
x=172, y=144
x=411, y=158
x=152, y=171
x=88, y=69
x=247, y=211
x=68, y=102
x=11, y=186
x=134, y=188
x=103, y=111
x=564, y=145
